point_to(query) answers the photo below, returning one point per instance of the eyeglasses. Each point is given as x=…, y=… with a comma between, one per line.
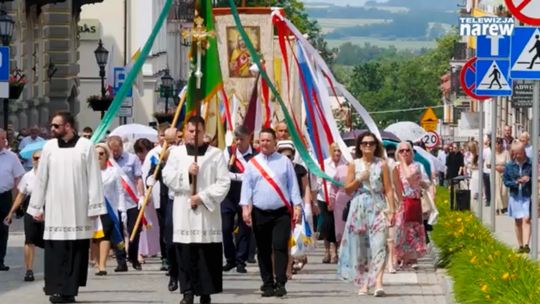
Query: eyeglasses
x=368, y=143
x=56, y=126
x=35, y=158
x=404, y=150
x=101, y=153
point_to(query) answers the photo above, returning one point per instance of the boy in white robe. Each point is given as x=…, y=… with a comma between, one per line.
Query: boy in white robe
x=69, y=191
x=197, y=217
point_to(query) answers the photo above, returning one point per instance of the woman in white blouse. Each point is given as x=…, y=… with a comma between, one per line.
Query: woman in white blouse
x=33, y=231
x=112, y=188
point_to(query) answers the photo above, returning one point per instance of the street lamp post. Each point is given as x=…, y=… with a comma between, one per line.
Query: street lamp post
x=166, y=89
x=6, y=32
x=101, y=58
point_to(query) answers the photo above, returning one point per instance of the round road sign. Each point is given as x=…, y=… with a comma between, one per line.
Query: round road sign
x=431, y=139
x=468, y=79
x=527, y=11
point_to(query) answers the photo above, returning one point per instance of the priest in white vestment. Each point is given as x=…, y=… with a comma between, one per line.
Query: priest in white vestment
x=68, y=195
x=197, y=217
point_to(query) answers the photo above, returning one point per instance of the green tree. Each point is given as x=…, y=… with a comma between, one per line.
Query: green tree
x=391, y=83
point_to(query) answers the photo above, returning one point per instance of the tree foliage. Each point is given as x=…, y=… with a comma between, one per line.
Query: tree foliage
x=391, y=83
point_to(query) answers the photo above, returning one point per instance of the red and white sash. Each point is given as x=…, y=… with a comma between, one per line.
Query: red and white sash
x=268, y=176
x=128, y=186
x=127, y=183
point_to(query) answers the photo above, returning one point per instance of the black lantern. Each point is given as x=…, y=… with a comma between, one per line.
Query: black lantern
x=6, y=27
x=101, y=58
x=166, y=89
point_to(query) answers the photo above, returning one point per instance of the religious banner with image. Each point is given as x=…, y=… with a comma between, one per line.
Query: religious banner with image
x=239, y=73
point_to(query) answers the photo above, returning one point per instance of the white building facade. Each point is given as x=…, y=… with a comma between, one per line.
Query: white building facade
x=124, y=26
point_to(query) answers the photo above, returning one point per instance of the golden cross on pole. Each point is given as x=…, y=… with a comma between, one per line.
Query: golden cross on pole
x=199, y=35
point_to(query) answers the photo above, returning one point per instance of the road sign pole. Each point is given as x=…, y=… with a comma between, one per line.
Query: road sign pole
x=534, y=196
x=493, y=161
x=480, y=162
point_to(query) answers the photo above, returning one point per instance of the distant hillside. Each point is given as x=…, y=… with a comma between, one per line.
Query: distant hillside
x=392, y=22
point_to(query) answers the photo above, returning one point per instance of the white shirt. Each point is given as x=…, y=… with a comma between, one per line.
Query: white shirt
x=27, y=182
x=330, y=169
x=241, y=157
x=10, y=169
x=152, y=158
x=112, y=188
x=441, y=156
x=487, y=160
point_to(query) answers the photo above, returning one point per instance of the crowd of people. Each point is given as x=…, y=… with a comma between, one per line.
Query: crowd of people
x=210, y=210
x=513, y=173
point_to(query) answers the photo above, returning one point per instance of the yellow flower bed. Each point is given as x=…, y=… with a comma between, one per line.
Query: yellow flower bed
x=483, y=269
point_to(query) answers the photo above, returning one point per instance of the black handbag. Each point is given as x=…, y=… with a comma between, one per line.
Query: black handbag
x=345, y=213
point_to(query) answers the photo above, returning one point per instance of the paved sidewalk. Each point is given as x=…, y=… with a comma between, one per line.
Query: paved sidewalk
x=504, y=226
x=316, y=284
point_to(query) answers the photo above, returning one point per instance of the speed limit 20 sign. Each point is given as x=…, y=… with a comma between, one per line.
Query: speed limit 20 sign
x=431, y=139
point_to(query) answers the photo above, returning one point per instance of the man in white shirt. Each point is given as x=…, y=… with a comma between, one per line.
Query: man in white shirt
x=11, y=172
x=129, y=169
x=441, y=156
x=30, y=139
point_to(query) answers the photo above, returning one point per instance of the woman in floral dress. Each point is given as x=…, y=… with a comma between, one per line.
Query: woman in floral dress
x=409, y=180
x=362, y=253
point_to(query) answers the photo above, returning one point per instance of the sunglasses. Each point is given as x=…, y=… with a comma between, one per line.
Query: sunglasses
x=368, y=143
x=56, y=126
x=404, y=150
x=35, y=158
x=101, y=153
x=86, y=136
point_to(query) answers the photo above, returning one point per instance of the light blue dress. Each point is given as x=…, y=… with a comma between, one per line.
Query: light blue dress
x=362, y=253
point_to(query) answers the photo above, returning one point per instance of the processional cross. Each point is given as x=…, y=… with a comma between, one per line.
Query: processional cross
x=199, y=35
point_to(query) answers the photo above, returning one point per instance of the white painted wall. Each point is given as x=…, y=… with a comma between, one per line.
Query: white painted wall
x=140, y=19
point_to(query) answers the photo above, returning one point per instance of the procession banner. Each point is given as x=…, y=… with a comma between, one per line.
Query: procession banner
x=304, y=154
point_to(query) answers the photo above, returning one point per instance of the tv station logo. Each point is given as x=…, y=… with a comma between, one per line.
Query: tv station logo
x=486, y=26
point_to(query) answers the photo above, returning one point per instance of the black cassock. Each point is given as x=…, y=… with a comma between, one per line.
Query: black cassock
x=66, y=266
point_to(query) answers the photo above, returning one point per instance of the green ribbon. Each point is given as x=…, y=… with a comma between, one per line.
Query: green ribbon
x=304, y=154
x=106, y=122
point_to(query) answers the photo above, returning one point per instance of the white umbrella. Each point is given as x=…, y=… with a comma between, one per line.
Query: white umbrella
x=406, y=130
x=132, y=132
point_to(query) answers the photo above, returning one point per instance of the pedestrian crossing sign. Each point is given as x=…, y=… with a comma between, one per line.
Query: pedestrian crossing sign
x=525, y=55
x=492, y=78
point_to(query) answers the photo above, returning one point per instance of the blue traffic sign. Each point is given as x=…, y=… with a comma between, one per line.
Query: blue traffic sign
x=493, y=47
x=119, y=79
x=492, y=78
x=4, y=64
x=525, y=53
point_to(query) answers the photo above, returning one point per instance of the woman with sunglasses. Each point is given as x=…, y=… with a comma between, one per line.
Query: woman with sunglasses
x=409, y=179
x=114, y=195
x=33, y=230
x=362, y=254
